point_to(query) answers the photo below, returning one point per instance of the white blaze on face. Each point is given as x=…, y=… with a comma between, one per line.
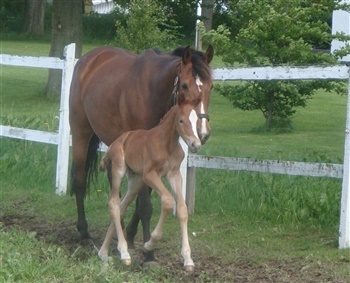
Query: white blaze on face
x=199, y=83
x=193, y=119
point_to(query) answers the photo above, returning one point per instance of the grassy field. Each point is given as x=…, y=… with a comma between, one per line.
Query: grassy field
x=248, y=227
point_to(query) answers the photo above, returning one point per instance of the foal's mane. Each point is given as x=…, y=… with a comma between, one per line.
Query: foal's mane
x=200, y=67
x=167, y=114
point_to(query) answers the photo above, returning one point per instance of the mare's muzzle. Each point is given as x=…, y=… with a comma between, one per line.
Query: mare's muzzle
x=203, y=128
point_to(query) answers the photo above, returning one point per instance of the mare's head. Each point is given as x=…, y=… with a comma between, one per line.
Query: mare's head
x=195, y=82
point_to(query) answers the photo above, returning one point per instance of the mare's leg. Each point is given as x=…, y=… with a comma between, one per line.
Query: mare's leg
x=80, y=143
x=167, y=201
x=175, y=181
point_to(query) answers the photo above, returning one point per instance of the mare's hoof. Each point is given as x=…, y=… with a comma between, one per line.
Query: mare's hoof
x=84, y=236
x=149, y=256
x=189, y=268
x=126, y=261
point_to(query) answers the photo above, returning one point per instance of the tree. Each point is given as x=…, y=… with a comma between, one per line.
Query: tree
x=67, y=27
x=11, y=16
x=276, y=33
x=146, y=26
x=207, y=13
x=34, y=17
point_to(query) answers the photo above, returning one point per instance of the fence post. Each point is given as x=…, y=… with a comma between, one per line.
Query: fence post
x=344, y=226
x=191, y=189
x=64, y=128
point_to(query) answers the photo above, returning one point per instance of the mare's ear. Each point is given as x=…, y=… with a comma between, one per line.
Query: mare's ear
x=209, y=54
x=186, y=55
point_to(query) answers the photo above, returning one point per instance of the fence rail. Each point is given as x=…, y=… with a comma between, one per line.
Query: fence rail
x=62, y=138
x=267, y=166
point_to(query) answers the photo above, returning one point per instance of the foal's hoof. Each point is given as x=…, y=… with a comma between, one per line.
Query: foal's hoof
x=126, y=261
x=102, y=256
x=189, y=268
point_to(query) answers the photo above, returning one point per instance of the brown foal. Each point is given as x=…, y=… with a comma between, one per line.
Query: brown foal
x=145, y=156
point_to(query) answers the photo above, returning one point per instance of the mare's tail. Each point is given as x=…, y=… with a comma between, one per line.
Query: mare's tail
x=91, y=161
x=90, y=166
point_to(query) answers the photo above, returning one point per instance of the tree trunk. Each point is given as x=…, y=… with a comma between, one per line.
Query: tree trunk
x=34, y=16
x=207, y=13
x=67, y=27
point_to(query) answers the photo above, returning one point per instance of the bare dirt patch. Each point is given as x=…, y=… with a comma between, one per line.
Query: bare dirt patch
x=208, y=268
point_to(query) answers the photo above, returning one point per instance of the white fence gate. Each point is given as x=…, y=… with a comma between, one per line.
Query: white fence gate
x=62, y=138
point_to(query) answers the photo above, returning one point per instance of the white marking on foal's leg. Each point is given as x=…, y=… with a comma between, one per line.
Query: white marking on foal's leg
x=103, y=252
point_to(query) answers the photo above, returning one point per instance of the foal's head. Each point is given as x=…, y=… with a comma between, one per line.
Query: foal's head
x=195, y=81
x=186, y=120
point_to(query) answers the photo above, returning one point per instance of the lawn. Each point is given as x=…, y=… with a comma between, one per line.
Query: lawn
x=247, y=227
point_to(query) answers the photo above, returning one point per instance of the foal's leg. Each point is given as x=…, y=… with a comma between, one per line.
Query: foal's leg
x=175, y=181
x=167, y=201
x=118, y=170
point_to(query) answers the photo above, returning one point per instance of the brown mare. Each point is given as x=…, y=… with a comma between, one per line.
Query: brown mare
x=146, y=156
x=114, y=91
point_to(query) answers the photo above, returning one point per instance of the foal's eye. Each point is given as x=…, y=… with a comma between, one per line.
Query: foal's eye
x=184, y=86
x=181, y=121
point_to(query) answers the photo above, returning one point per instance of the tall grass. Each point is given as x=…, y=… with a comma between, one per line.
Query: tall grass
x=276, y=199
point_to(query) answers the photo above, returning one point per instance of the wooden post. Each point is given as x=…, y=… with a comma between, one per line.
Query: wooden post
x=198, y=40
x=64, y=128
x=344, y=225
x=341, y=24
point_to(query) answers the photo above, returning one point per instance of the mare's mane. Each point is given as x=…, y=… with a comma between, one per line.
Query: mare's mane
x=200, y=67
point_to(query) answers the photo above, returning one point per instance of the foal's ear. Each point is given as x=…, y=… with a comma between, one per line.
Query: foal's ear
x=209, y=54
x=186, y=55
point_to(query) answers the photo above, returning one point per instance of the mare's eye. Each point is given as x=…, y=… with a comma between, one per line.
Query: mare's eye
x=181, y=121
x=184, y=86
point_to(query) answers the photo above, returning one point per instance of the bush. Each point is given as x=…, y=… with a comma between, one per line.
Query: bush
x=146, y=26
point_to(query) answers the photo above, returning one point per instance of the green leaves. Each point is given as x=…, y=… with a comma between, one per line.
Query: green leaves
x=142, y=29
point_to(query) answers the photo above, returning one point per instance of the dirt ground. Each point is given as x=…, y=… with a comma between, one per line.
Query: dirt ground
x=208, y=269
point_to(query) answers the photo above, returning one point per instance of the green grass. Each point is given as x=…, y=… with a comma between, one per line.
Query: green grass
x=318, y=135
x=265, y=223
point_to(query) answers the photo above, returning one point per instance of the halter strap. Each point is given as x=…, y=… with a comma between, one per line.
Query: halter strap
x=176, y=87
x=203, y=115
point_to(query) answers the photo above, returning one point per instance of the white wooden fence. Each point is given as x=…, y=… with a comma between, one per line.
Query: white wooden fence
x=62, y=138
